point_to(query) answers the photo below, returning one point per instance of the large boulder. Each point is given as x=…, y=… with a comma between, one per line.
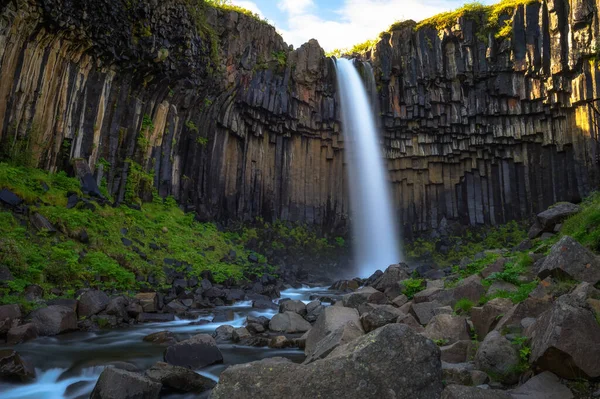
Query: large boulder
x=330, y=320
x=178, y=379
x=486, y=317
x=115, y=383
x=565, y=340
x=568, y=258
x=362, y=296
x=21, y=333
x=379, y=317
x=448, y=328
x=390, y=362
x=11, y=312
x=543, y=386
x=498, y=357
x=458, y=352
x=223, y=334
x=529, y=308
x=92, y=302
x=148, y=300
x=463, y=392
x=548, y=219
x=293, y=306
x=54, y=320
x=342, y=335
x=424, y=311
x=470, y=288
x=289, y=322
x=392, y=276
x=166, y=338
x=13, y=368
x=199, y=351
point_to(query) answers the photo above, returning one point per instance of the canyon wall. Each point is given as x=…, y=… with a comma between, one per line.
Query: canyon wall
x=212, y=107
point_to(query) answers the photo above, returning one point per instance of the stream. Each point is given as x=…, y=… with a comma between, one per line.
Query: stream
x=67, y=366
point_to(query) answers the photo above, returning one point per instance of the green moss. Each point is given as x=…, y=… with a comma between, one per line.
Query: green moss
x=412, y=286
x=585, y=226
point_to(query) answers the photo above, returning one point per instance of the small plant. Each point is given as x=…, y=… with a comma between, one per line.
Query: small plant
x=191, y=126
x=441, y=342
x=280, y=57
x=524, y=353
x=463, y=305
x=412, y=286
x=202, y=141
x=340, y=242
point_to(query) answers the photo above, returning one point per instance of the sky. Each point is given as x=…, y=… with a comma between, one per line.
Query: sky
x=342, y=23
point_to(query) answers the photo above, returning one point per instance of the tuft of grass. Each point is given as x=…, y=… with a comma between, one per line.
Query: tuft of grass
x=412, y=286
x=463, y=305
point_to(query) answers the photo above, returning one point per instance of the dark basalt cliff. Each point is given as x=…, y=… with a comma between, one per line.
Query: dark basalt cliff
x=235, y=125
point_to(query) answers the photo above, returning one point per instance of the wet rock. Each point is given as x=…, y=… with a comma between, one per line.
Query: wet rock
x=155, y=317
x=313, y=311
x=240, y=334
x=134, y=309
x=264, y=304
x=176, y=307
x=543, y=386
x=330, y=320
x=289, y=322
x=223, y=334
x=463, y=392
x=486, y=317
x=13, y=368
x=199, y=351
x=54, y=320
x=497, y=356
x=148, y=301
x=372, y=365
x=22, y=333
x=379, y=317
x=280, y=342
x=447, y=327
x=345, y=285
x=564, y=340
x=161, y=338
x=255, y=328
x=568, y=258
x=293, y=306
x=92, y=302
x=228, y=315
x=341, y=336
x=118, y=307
x=121, y=384
x=178, y=379
x=262, y=320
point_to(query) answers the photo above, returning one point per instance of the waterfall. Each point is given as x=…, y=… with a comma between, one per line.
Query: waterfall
x=375, y=237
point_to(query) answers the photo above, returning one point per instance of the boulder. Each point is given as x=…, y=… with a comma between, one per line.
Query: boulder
x=155, y=317
x=410, y=321
x=495, y=267
x=392, y=361
x=501, y=286
x=69, y=303
x=543, y=386
x=400, y=300
x=330, y=320
x=293, y=306
x=313, y=311
x=457, y=373
x=42, y=224
x=178, y=379
x=458, y=352
x=149, y=301
x=118, y=307
x=344, y=285
x=223, y=334
x=568, y=258
x=289, y=322
x=448, y=327
x=161, y=338
x=33, y=293
x=564, y=340
x=342, y=335
x=362, y=296
x=424, y=312
x=379, y=317
x=121, y=384
x=391, y=277
x=485, y=318
x=498, y=357
x=240, y=334
x=92, y=302
x=9, y=198
x=463, y=392
x=554, y=215
x=264, y=304
x=199, y=351
x=531, y=307
x=469, y=288
x=54, y=319
x=22, y=333
x=427, y=295
x=280, y=342
x=10, y=312
x=13, y=368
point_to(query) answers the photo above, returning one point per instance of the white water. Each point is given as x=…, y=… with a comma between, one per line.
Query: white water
x=376, y=240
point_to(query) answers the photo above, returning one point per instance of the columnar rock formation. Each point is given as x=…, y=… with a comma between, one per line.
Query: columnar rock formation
x=236, y=125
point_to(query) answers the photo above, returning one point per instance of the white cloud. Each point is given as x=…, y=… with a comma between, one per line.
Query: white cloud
x=358, y=20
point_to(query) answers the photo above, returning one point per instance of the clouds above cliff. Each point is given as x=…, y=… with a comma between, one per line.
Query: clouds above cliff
x=342, y=23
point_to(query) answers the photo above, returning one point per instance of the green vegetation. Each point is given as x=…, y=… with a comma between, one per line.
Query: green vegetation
x=524, y=353
x=463, y=305
x=159, y=231
x=280, y=57
x=476, y=266
x=360, y=48
x=202, y=141
x=412, y=286
x=227, y=5
x=585, y=226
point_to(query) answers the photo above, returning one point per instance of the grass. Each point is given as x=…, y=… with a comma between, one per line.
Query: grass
x=359, y=48
x=585, y=226
x=476, y=266
x=463, y=305
x=412, y=286
x=229, y=6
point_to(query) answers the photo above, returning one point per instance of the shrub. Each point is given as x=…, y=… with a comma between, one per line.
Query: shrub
x=412, y=286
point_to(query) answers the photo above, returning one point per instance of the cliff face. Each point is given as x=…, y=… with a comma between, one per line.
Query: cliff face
x=235, y=125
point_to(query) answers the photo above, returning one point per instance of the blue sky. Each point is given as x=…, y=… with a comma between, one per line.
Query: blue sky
x=342, y=23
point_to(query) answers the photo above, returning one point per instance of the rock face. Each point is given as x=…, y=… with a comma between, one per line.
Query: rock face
x=54, y=319
x=330, y=320
x=568, y=258
x=475, y=131
x=564, y=340
x=392, y=361
x=121, y=384
x=199, y=351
